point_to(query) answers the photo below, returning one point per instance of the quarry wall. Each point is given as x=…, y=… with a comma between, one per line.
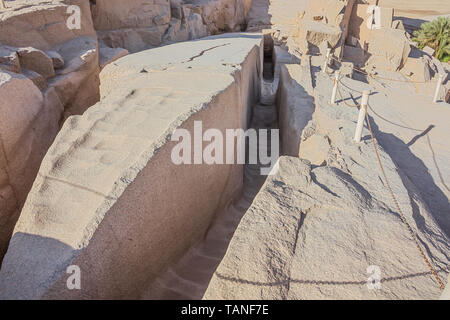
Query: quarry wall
x=108, y=198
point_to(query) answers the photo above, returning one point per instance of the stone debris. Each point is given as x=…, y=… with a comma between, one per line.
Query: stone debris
x=36, y=60
x=108, y=55
x=58, y=61
x=389, y=49
x=9, y=59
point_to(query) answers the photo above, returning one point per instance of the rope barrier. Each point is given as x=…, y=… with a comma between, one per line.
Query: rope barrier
x=405, y=222
x=402, y=216
x=401, y=126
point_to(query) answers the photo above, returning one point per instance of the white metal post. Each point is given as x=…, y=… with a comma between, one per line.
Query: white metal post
x=362, y=115
x=327, y=60
x=336, y=81
x=3, y=4
x=438, y=88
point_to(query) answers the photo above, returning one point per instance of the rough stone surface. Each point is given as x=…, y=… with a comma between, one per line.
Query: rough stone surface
x=419, y=69
x=37, y=78
x=389, y=48
x=35, y=41
x=58, y=61
x=135, y=218
x=281, y=249
x=346, y=69
x=315, y=150
x=316, y=33
x=9, y=60
x=42, y=24
x=118, y=14
x=36, y=60
x=142, y=24
x=296, y=106
x=77, y=84
x=108, y=55
x=28, y=125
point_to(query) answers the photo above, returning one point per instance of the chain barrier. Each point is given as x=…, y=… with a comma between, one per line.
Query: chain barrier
x=398, y=125
x=394, y=199
x=405, y=222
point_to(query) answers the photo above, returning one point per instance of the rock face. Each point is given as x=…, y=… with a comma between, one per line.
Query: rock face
x=117, y=14
x=134, y=25
x=108, y=197
x=77, y=84
x=296, y=106
x=43, y=24
x=389, y=49
x=281, y=249
x=108, y=55
x=28, y=124
x=9, y=59
x=323, y=24
x=62, y=68
x=142, y=24
x=37, y=61
x=37, y=40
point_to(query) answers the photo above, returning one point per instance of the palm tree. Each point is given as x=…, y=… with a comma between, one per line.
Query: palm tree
x=435, y=34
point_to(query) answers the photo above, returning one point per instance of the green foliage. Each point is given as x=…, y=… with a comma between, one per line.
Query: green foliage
x=436, y=35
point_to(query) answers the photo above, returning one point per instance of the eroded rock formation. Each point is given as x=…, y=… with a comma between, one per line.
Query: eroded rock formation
x=109, y=179
x=282, y=246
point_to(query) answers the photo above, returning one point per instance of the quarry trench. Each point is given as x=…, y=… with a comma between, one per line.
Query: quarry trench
x=185, y=277
x=188, y=278
x=157, y=238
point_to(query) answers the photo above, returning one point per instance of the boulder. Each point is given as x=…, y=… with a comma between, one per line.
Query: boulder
x=9, y=59
x=316, y=33
x=346, y=68
x=223, y=15
x=58, y=61
x=37, y=78
x=108, y=55
x=43, y=24
x=428, y=50
x=398, y=24
x=36, y=60
x=389, y=48
x=77, y=84
x=419, y=69
x=119, y=14
x=315, y=150
x=28, y=125
x=357, y=27
x=134, y=39
x=143, y=24
x=176, y=9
